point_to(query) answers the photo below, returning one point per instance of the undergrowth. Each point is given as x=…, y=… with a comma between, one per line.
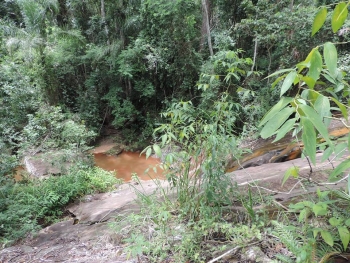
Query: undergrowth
x=28, y=205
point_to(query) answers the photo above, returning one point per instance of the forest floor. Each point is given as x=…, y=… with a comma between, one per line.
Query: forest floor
x=88, y=237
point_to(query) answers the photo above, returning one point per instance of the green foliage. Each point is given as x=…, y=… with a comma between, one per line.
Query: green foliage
x=28, y=205
x=49, y=129
x=172, y=237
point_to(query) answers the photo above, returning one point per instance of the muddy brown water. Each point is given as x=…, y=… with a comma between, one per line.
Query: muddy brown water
x=128, y=163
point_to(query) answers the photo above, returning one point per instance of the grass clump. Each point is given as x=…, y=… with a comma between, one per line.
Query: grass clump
x=31, y=204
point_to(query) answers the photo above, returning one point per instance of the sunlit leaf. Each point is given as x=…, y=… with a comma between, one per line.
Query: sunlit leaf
x=320, y=209
x=288, y=81
x=292, y=171
x=273, y=124
x=331, y=58
x=327, y=237
x=319, y=20
x=339, y=15
x=341, y=107
x=309, y=138
x=323, y=108
x=310, y=82
x=315, y=65
x=275, y=109
x=344, y=236
x=157, y=150
x=148, y=152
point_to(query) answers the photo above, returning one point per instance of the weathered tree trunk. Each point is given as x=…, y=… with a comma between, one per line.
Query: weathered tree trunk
x=103, y=16
x=206, y=26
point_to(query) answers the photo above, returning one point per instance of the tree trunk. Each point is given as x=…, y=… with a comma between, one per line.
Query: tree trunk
x=103, y=16
x=206, y=26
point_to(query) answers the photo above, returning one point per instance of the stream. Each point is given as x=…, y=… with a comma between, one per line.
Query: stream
x=128, y=163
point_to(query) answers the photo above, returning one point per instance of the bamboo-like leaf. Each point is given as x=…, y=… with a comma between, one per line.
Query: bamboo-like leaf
x=341, y=107
x=148, y=152
x=344, y=236
x=279, y=72
x=319, y=20
x=275, y=109
x=323, y=108
x=340, y=13
x=315, y=65
x=309, y=81
x=157, y=150
x=288, y=81
x=273, y=124
x=331, y=58
x=312, y=115
x=292, y=171
x=339, y=149
x=286, y=127
x=309, y=138
x=326, y=154
x=344, y=165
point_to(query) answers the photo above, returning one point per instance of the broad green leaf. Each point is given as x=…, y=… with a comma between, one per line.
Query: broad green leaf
x=309, y=138
x=344, y=236
x=316, y=121
x=323, y=107
x=347, y=222
x=273, y=124
x=341, y=107
x=327, y=237
x=313, y=95
x=339, y=15
x=157, y=150
x=334, y=221
x=275, y=109
x=310, y=82
x=319, y=20
x=315, y=65
x=286, y=127
x=320, y=209
x=292, y=171
x=331, y=58
x=164, y=139
x=344, y=165
x=148, y=152
x=328, y=77
x=288, y=81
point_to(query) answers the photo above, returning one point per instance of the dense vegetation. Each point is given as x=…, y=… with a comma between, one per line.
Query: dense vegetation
x=70, y=69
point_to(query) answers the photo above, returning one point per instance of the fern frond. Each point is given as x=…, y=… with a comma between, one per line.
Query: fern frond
x=287, y=237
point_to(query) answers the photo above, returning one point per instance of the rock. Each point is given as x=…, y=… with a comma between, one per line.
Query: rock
x=53, y=162
x=254, y=254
